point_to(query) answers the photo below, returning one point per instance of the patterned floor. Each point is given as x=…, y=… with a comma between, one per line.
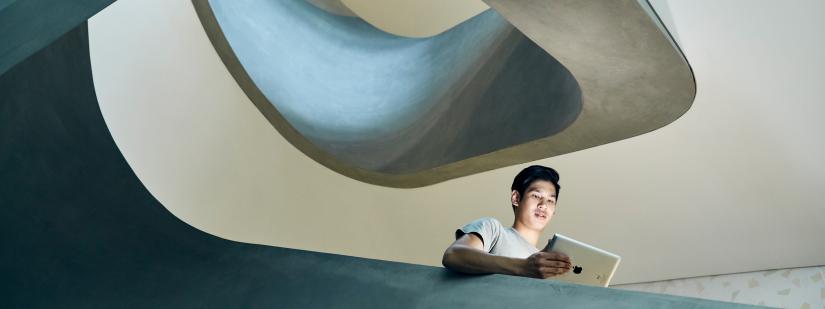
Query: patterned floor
x=802, y=288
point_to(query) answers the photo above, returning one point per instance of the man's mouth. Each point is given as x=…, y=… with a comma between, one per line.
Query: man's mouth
x=540, y=214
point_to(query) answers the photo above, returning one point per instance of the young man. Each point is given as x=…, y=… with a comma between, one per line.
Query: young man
x=485, y=246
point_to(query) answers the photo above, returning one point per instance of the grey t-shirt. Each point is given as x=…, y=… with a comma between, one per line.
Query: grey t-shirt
x=498, y=239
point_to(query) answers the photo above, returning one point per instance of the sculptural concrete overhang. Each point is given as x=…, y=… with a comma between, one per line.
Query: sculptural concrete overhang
x=409, y=112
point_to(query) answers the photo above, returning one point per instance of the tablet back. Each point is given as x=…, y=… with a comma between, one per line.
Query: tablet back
x=591, y=265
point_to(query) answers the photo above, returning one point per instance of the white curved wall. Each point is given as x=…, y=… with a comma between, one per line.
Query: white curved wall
x=733, y=186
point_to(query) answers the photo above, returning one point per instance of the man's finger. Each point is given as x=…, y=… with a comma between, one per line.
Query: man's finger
x=545, y=258
x=554, y=263
x=554, y=271
x=558, y=256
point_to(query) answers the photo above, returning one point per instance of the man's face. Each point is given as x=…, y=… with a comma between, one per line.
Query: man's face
x=535, y=209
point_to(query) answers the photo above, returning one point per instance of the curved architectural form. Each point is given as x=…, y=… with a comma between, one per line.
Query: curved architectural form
x=80, y=230
x=410, y=112
x=365, y=101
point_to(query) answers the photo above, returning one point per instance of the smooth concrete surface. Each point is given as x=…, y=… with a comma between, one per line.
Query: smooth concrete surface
x=364, y=101
x=80, y=230
x=634, y=78
x=476, y=97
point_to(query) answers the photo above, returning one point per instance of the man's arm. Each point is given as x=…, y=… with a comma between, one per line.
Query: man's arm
x=467, y=255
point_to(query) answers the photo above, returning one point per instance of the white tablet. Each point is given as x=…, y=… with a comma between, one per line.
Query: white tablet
x=591, y=265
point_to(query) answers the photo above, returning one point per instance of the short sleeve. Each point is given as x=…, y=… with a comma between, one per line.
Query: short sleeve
x=489, y=229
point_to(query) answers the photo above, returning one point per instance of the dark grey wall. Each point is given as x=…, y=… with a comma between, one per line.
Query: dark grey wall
x=80, y=230
x=26, y=26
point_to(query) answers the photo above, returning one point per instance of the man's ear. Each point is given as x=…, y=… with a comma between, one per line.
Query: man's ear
x=514, y=198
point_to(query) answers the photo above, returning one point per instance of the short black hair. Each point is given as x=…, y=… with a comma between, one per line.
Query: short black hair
x=532, y=173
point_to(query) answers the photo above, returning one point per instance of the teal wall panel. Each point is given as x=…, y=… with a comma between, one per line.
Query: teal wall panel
x=26, y=26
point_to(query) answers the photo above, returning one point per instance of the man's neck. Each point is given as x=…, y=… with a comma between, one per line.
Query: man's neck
x=530, y=235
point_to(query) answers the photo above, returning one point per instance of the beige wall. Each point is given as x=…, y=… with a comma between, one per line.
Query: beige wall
x=415, y=18
x=739, y=175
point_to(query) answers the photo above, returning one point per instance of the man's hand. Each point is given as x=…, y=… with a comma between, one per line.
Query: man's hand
x=544, y=265
x=467, y=255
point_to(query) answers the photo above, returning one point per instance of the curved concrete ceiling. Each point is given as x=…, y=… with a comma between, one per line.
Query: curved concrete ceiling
x=420, y=111
x=407, y=104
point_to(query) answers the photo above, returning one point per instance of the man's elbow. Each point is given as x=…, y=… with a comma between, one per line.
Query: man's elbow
x=448, y=259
